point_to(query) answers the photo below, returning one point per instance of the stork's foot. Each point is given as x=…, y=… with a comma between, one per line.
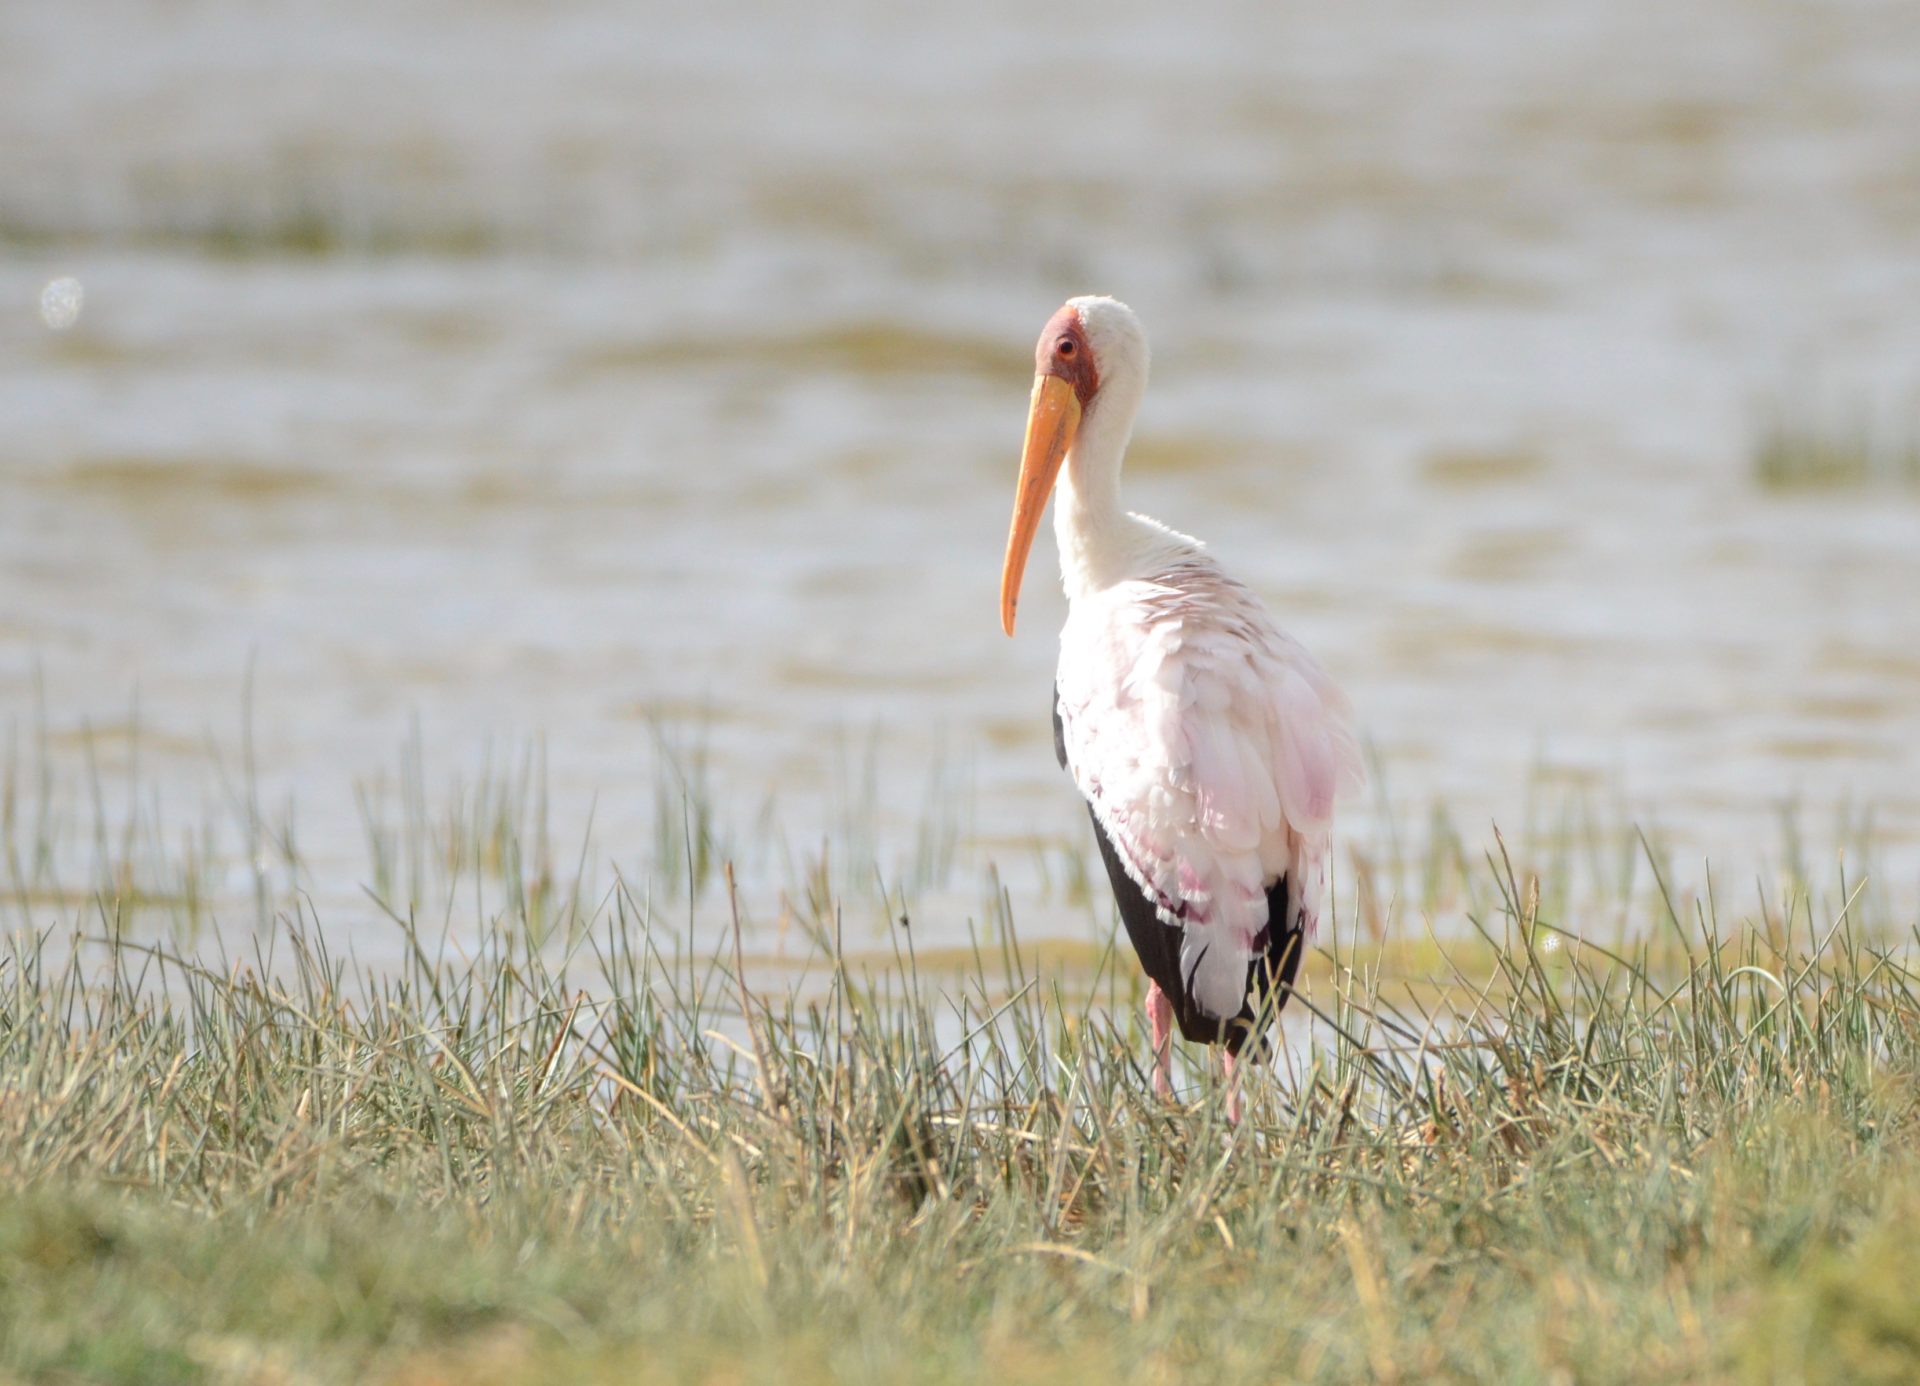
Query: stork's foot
x=1160, y=1022
x=1229, y=1064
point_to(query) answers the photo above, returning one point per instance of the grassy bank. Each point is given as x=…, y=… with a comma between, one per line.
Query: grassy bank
x=1699, y=1157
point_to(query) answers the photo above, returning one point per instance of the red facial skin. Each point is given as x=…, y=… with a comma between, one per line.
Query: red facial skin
x=1063, y=351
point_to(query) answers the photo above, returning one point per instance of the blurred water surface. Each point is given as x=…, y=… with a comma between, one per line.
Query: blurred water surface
x=600, y=377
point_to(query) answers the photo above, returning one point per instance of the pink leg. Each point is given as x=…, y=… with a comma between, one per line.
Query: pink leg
x=1233, y=1088
x=1160, y=1021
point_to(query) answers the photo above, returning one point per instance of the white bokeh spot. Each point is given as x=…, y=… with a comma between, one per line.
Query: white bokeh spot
x=60, y=303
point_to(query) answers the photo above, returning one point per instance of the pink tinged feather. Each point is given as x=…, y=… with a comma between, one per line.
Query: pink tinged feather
x=1211, y=748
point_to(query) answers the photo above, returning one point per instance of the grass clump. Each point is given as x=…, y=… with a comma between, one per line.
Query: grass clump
x=618, y=1165
x=1803, y=453
x=586, y=1151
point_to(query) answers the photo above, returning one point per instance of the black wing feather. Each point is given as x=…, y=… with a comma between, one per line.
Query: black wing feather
x=1157, y=943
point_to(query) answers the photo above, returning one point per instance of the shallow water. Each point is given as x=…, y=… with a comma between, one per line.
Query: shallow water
x=588, y=380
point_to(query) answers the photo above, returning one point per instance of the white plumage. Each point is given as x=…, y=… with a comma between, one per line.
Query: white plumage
x=1208, y=743
x=1210, y=746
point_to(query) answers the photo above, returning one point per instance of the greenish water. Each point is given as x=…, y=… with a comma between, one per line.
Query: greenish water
x=602, y=394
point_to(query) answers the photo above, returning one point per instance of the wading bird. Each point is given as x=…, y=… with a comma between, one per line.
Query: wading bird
x=1208, y=743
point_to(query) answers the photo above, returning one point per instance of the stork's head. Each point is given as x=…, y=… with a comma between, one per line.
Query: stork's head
x=1090, y=345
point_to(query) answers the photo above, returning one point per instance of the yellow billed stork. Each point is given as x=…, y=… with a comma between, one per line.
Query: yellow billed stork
x=1208, y=743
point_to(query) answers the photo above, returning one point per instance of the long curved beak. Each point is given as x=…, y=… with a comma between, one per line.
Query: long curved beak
x=1052, y=421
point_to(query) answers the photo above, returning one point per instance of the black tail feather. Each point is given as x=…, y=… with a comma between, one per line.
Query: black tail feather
x=1270, y=973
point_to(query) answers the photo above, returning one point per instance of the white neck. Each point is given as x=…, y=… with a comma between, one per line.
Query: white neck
x=1101, y=544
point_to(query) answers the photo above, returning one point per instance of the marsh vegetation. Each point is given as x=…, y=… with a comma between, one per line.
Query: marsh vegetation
x=569, y=1135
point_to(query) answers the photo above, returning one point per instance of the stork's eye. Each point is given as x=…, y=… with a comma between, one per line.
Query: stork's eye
x=1064, y=346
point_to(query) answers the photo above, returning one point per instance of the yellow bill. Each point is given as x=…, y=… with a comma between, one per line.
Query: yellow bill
x=1052, y=421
